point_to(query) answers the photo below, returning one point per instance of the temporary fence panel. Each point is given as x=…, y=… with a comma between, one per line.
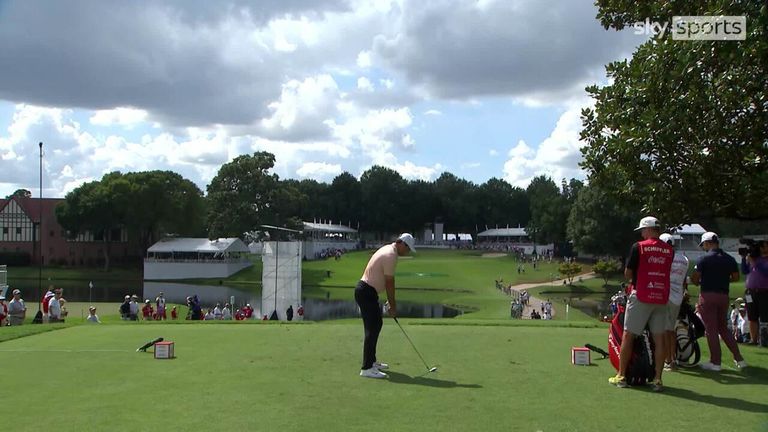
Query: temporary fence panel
x=281, y=278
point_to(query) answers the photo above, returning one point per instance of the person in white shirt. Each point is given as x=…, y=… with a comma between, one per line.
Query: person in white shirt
x=226, y=313
x=160, y=306
x=209, y=316
x=54, y=308
x=92, y=317
x=133, y=308
x=217, y=313
x=17, y=310
x=677, y=287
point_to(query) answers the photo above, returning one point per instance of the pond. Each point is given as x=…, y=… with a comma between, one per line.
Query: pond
x=314, y=309
x=595, y=305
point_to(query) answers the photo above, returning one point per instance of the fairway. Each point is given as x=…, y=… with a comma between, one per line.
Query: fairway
x=255, y=376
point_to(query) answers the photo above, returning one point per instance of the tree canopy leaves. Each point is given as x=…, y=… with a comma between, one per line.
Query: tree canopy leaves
x=682, y=130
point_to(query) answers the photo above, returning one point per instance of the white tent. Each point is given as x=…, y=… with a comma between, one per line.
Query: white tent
x=191, y=258
x=198, y=245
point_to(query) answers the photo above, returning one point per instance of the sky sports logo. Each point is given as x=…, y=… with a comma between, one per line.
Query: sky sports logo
x=697, y=27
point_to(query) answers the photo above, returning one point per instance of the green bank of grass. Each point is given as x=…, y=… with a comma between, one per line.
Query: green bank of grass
x=295, y=377
x=16, y=332
x=464, y=279
x=589, y=298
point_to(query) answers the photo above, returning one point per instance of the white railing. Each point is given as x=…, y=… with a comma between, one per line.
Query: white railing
x=201, y=260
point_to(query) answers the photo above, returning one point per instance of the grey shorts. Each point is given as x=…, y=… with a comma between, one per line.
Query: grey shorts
x=638, y=314
x=672, y=311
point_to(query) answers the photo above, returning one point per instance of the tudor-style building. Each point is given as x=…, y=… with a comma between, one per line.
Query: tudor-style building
x=20, y=233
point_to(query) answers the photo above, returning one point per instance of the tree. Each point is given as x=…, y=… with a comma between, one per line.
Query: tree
x=599, y=225
x=241, y=195
x=97, y=207
x=549, y=211
x=568, y=270
x=21, y=193
x=345, y=199
x=681, y=130
x=147, y=204
x=607, y=268
x=458, y=203
x=168, y=204
x=501, y=204
x=382, y=191
x=422, y=203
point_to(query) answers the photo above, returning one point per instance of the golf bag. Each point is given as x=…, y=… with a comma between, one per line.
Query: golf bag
x=688, y=330
x=640, y=369
x=38, y=319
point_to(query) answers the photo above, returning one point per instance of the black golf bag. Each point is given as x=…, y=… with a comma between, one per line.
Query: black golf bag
x=688, y=330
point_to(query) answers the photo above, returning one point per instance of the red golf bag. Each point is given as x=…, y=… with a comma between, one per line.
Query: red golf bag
x=641, y=366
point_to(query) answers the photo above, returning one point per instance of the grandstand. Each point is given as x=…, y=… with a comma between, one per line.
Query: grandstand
x=324, y=238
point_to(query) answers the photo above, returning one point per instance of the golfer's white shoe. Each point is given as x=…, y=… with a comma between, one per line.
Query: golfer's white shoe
x=372, y=373
x=380, y=366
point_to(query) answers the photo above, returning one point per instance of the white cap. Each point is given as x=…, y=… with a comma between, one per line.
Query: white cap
x=667, y=238
x=709, y=236
x=408, y=240
x=648, y=222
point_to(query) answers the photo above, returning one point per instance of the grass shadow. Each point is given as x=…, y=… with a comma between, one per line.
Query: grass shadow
x=728, y=376
x=725, y=402
x=399, y=378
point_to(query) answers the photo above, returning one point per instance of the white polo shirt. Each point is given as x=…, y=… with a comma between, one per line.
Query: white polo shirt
x=54, y=308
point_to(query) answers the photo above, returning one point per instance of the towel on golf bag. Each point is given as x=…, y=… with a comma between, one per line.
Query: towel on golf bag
x=640, y=369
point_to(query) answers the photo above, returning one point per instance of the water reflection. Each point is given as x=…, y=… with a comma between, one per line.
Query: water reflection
x=79, y=290
x=209, y=295
x=314, y=309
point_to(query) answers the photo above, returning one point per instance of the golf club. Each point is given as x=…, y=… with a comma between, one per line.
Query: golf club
x=429, y=369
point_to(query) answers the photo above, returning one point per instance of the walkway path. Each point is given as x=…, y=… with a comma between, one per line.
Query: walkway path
x=535, y=303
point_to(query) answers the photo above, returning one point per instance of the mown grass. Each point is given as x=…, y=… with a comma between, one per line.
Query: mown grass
x=252, y=376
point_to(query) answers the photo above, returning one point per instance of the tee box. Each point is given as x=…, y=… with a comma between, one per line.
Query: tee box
x=580, y=356
x=164, y=350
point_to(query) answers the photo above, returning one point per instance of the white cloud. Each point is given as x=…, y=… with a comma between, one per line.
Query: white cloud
x=557, y=156
x=364, y=59
x=433, y=112
x=118, y=116
x=302, y=109
x=411, y=171
x=364, y=84
x=375, y=132
x=319, y=170
x=493, y=152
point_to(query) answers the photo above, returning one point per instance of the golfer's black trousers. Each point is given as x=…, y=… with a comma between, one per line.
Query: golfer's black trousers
x=368, y=301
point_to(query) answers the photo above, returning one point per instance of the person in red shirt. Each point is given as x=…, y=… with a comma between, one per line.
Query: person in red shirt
x=300, y=312
x=147, y=310
x=3, y=311
x=174, y=313
x=648, y=268
x=248, y=311
x=46, y=299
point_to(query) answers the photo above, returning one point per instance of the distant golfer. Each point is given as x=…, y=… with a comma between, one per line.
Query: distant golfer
x=379, y=275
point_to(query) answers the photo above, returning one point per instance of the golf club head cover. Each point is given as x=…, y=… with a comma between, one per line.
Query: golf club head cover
x=149, y=344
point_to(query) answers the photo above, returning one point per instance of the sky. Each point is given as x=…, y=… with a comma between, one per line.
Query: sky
x=481, y=89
